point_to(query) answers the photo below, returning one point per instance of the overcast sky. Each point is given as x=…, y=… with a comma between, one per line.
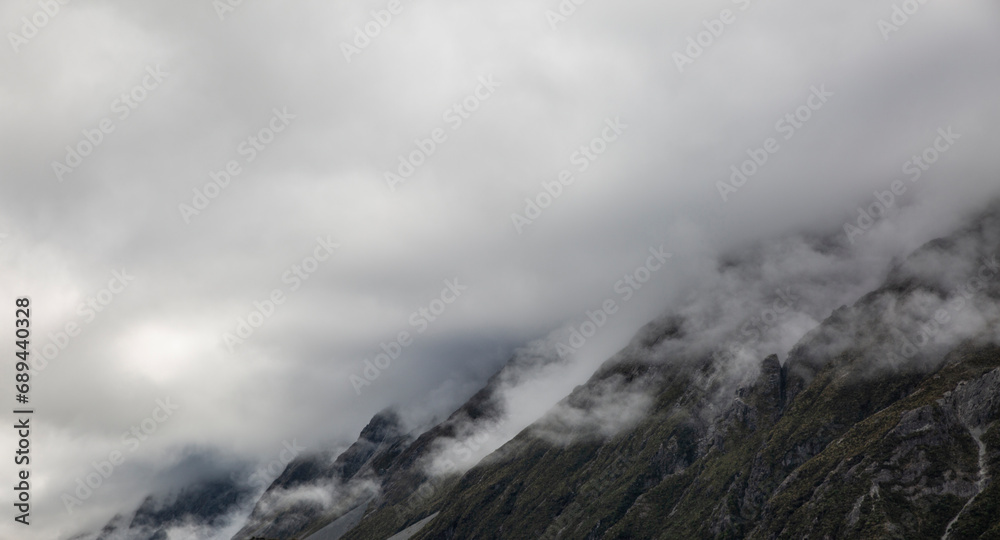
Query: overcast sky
x=500, y=96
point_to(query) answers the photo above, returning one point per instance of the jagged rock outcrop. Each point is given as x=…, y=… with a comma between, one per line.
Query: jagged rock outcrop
x=382, y=470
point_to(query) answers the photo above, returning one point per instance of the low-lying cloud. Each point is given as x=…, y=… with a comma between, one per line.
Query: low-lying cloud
x=323, y=176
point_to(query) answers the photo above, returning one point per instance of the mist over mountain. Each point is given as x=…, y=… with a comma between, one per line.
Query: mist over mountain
x=499, y=270
x=878, y=422
x=743, y=412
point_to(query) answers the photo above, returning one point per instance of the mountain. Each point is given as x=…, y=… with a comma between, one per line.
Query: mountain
x=385, y=465
x=203, y=501
x=879, y=422
x=294, y=505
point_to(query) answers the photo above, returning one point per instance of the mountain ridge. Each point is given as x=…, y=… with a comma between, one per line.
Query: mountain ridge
x=880, y=422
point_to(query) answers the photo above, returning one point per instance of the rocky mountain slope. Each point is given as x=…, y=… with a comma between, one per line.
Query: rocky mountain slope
x=880, y=422
x=385, y=462
x=289, y=507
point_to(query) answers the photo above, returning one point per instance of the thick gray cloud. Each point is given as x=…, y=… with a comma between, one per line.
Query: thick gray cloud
x=322, y=176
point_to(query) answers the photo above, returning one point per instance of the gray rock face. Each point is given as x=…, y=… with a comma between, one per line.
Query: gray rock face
x=976, y=403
